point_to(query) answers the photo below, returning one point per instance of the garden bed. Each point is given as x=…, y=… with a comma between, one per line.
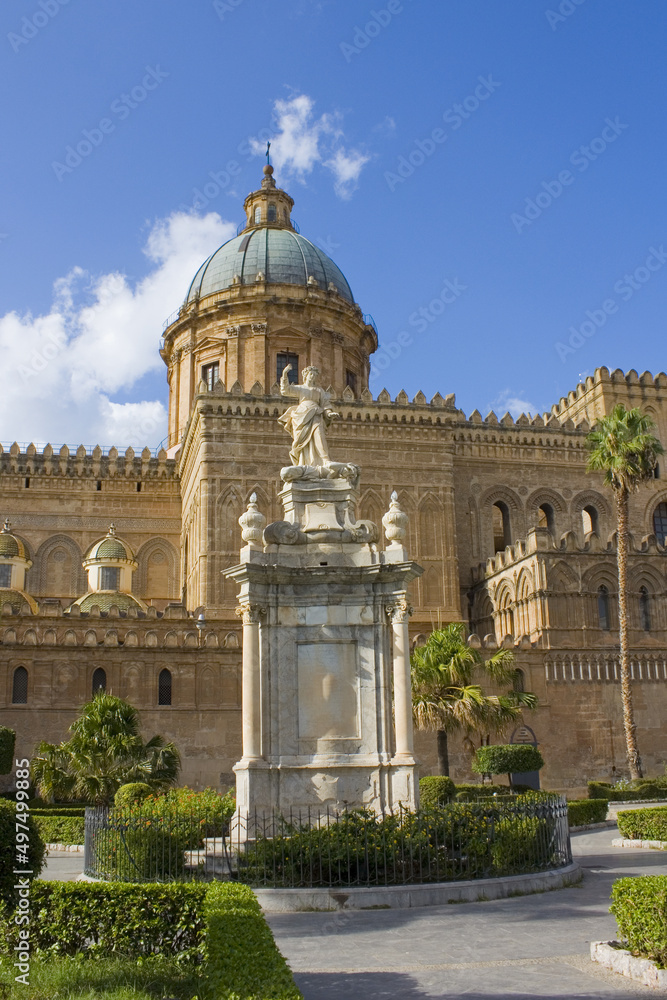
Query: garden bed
x=613, y=956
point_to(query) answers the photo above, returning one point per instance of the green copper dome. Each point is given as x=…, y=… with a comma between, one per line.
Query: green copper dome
x=280, y=255
x=107, y=599
x=10, y=545
x=111, y=548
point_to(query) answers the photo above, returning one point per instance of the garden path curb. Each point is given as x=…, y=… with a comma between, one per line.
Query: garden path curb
x=405, y=897
x=642, y=970
x=656, y=845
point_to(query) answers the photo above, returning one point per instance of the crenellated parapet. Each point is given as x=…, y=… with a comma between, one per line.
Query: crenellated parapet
x=86, y=463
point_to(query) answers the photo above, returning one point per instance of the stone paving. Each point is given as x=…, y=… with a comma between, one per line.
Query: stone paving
x=527, y=946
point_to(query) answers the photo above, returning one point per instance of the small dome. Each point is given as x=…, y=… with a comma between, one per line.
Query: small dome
x=110, y=547
x=107, y=599
x=18, y=599
x=10, y=545
x=276, y=255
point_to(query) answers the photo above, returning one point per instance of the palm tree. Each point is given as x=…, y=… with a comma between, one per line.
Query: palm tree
x=104, y=752
x=621, y=445
x=445, y=697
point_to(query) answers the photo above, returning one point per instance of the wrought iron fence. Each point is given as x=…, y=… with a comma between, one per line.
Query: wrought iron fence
x=311, y=847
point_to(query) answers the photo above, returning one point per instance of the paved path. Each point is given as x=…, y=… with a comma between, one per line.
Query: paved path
x=528, y=946
x=63, y=866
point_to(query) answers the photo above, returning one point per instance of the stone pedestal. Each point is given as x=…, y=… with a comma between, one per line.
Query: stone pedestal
x=327, y=712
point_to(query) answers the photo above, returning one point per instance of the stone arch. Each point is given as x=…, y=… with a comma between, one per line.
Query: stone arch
x=590, y=498
x=57, y=569
x=504, y=610
x=508, y=502
x=431, y=586
x=562, y=578
x=228, y=541
x=372, y=508
x=431, y=528
x=157, y=573
x=545, y=498
x=206, y=684
x=650, y=510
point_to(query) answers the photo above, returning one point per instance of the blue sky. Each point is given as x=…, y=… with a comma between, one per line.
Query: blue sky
x=489, y=177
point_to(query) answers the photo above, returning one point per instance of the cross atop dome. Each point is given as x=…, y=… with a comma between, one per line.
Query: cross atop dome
x=270, y=205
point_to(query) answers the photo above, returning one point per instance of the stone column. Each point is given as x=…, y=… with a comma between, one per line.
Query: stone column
x=399, y=614
x=251, y=687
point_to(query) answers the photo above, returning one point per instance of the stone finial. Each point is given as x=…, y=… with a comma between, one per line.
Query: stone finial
x=6, y=528
x=252, y=523
x=395, y=522
x=112, y=530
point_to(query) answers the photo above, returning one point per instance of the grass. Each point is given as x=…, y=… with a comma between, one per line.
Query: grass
x=105, y=979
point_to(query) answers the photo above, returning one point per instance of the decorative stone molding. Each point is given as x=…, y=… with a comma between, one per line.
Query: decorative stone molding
x=258, y=329
x=233, y=331
x=399, y=611
x=250, y=614
x=252, y=523
x=395, y=521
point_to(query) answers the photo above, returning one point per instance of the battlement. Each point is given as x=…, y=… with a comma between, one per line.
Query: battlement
x=82, y=463
x=604, y=383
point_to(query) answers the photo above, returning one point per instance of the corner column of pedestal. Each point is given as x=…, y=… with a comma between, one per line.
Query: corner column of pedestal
x=399, y=613
x=251, y=615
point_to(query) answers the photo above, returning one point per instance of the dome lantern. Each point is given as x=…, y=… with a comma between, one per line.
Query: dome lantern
x=269, y=206
x=14, y=564
x=110, y=563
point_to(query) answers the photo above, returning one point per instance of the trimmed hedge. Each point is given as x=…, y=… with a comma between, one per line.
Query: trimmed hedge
x=108, y=919
x=55, y=829
x=640, y=907
x=141, y=851
x=134, y=791
x=654, y=788
x=643, y=824
x=7, y=744
x=243, y=961
x=507, y=758
x=580, y=812
x=58, y=811
x=19, y=849
x=436, y=790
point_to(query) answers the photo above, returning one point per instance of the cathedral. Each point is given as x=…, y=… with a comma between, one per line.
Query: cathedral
x=112, y=565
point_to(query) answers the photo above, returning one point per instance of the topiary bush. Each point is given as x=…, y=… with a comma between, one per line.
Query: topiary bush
x=140, y=850
x=643, y=824
x=21, y=848
x=640, y=907
x=134, y=791
x=7, y=744
x=580, y=812
x=242, y=959
x=509, y=759
x=436, y=790
x=56, y=829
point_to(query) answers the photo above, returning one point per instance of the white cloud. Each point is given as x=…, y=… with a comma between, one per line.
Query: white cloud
x=302, y=141
x=100, y=337
x=509, y=402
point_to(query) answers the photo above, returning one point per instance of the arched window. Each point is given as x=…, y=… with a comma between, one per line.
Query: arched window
x=660, y=522
x=590, y=519
x=164, y=688
x=99, y=681
x=644, y=609
x=258, y=215
x=518, y=681
x=20, y=687
x=272, y=216
x=501, y=526
x=603, y=608
x=545, y=517
x=6, y=575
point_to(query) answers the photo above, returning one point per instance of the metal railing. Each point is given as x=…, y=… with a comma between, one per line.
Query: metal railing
x=324, y=847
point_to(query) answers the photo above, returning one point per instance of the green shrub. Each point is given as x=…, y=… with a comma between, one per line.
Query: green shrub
x=473, y=792
x=436, y=790
x=104, y=919
x=640, y=907
x=134, y=791
x=517, y=844
x=643, y=824
x=197, y=814
x=243, y=962
x=580, y=812
x=509, y=758
x=7, y=743
x=140, y=850
x=19, y=849
x=55, y=829
x=653, y=788
x=58, y=811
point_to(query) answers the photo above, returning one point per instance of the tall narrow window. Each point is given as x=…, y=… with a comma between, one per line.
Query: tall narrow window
x=603, y=608
x=164, y=688
x=109, y=577
x=518, y=681
x=590, y=520
x=501, y=527
x=5, y=575
x=210, y=374
x=644, y=609
x=272, y=216
x=20, y=687
x=545, y=518
x=258, y=215
x=351, y=380
x=284, y=359
x=99, y=681
x=660, y=522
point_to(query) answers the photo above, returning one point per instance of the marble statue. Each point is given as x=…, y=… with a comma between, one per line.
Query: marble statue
x=308, y=419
